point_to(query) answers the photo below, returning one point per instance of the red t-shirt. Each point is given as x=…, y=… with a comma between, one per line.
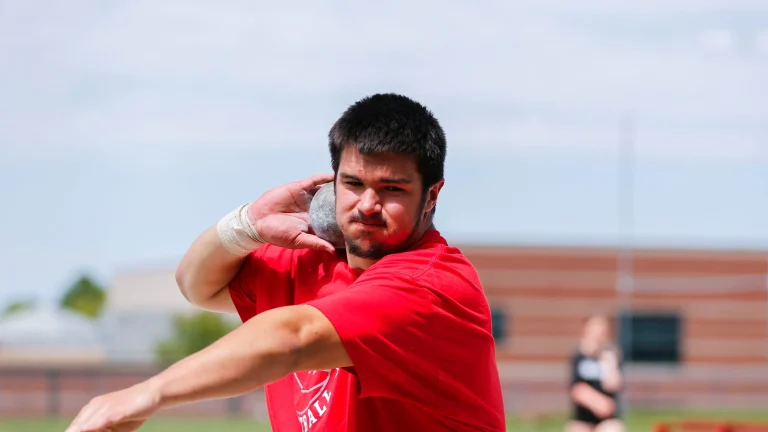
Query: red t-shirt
x=416, y=325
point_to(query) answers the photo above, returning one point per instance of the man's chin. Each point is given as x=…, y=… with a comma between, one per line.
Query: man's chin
x=372, y=251
x=369, y=252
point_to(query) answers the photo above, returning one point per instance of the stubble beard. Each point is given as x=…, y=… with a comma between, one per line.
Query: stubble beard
x=379, y=250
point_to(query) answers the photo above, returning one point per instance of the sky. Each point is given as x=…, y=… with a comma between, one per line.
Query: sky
x=127, y=128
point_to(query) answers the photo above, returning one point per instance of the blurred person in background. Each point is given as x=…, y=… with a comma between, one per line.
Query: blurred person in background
x=388, y=331
x=596, y=380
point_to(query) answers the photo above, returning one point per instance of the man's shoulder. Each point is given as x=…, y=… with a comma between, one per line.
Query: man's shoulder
x=432, y=259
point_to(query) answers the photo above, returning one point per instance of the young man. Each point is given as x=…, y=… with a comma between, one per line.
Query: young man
x=596, y=381
x=392, y=332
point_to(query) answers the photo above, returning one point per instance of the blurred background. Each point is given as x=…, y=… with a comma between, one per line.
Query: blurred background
x=604, y=157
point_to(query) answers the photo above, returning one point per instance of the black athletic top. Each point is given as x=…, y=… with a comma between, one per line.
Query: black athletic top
x=588, y=370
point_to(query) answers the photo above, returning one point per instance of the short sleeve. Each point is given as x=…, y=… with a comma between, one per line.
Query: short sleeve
x=385, y=324
x=574, y=363
x=263, y=282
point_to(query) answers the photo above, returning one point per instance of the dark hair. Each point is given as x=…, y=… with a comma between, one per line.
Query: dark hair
x=391, y=123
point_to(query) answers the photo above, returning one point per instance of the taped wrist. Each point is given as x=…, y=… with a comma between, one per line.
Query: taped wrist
x=237, y=234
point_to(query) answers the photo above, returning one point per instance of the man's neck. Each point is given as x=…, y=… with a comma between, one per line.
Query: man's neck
x=358, y=263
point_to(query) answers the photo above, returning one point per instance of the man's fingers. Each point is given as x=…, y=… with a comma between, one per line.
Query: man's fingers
x=316, y=189
x=93, y=426
x=88, y=428
x=314, y=242
x=128, y=426
x=310, y=183
x=80, y=420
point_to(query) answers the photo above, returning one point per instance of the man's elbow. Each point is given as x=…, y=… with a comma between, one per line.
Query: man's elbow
x=312, y=340
x=278, y=345
x=183, y=283
x=186, y=285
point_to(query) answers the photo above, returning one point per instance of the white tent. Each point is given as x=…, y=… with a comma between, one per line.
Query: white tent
x=49, y=334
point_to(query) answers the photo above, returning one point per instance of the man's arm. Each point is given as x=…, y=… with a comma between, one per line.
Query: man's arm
x=205, y=270
x=264, y=349
x=217, y=255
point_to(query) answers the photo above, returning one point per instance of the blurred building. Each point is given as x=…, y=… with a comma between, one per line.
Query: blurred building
x=139, y=313
x=49, y=336
x=693, y=324
x=52, y=361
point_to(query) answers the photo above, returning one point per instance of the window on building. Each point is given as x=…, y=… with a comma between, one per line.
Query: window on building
x=649, y=337
x=499, y=323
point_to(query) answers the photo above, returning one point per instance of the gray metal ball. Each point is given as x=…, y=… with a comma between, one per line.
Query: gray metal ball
x=322, y=216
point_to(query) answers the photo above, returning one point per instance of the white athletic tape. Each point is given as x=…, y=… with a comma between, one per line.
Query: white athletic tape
x=237, y=234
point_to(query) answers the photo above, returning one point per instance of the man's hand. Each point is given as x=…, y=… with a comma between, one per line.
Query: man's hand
x=281, y=215
x=266, y=348
x=121, y=411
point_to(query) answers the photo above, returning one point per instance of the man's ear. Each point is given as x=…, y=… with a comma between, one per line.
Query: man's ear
x=432, y=195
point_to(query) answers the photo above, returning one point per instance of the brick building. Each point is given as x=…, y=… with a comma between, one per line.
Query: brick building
x=693, y=324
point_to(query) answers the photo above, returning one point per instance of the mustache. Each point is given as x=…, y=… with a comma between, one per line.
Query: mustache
x=374, y=219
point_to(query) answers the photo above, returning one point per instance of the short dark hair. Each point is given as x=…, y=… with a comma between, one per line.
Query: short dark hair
x=391, y=123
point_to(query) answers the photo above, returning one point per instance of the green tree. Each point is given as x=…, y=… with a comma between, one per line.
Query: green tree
x=17, y=306
x=191, y=333
x=85, y=297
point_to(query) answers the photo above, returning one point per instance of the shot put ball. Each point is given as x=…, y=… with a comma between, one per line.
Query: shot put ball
x=322, y=216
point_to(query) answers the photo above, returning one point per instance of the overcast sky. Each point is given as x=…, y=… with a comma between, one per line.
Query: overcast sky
x=129, y=127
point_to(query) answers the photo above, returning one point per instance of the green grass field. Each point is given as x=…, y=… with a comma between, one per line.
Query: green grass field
x=636, y=422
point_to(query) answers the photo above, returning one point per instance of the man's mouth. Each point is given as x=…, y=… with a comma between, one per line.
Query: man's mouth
x=369, y=223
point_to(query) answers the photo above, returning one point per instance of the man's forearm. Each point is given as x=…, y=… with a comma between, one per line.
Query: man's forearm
x=262, y=350
x=206, y=269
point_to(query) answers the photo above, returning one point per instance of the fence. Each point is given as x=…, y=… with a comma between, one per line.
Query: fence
x=63, y=391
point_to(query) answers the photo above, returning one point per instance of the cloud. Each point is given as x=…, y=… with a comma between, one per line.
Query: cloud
x=761, y=42
x=652, y=6
x=99, y=75
x=717, y=39
x=606, y=138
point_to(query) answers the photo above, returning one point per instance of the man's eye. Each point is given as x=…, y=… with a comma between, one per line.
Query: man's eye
x=394, y=189
x=354, y=183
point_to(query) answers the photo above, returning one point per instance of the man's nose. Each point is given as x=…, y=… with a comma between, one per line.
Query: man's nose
x=369, y=202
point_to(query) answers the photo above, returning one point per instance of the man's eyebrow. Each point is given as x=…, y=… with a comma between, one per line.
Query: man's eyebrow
x=387, y=180
x=396, y=180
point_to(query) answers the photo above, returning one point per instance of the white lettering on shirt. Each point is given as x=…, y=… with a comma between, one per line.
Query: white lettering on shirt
x=312, y=396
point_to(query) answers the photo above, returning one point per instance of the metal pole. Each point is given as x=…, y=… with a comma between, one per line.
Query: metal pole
x=626, y=210
x=626, y=207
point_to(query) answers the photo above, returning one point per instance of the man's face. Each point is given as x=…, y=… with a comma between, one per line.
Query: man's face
x=380, y=203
